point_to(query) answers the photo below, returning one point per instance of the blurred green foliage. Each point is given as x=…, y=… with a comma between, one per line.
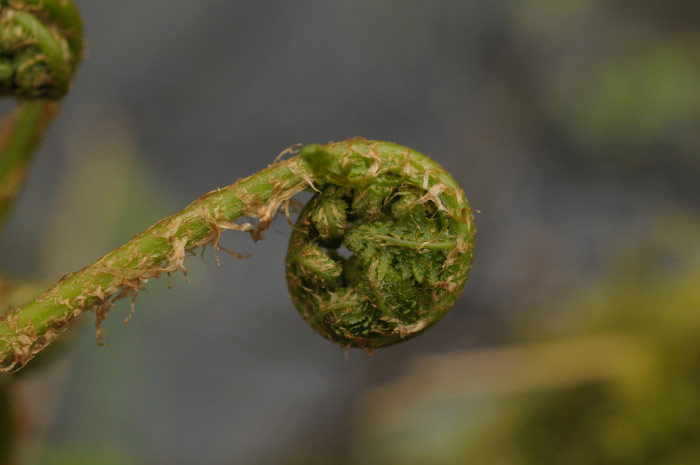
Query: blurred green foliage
x=638, y=107
x=650, y=415
x=618, y=80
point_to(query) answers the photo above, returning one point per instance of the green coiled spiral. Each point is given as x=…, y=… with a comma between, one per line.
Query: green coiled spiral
x=410, y=233
x=404, y=223
x=402, y=216
x=41, y=44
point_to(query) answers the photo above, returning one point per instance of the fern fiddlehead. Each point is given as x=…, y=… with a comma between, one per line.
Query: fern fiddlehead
x=405, y=219
x=41, y=44
x=410, y=231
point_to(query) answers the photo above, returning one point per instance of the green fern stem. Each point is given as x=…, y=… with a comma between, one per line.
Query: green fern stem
x=416, y=209
x=18, y=141
x=41, y=44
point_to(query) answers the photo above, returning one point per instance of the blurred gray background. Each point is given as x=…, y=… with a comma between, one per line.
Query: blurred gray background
x=176, y=98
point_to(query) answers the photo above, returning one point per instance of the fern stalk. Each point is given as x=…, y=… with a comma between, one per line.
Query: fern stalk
x=360, y=165
x=404, y=218
x=18, y=141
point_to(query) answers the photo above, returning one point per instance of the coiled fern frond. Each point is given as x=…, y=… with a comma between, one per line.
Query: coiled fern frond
x=411, y=234
x=41, y=44
x=404, y=219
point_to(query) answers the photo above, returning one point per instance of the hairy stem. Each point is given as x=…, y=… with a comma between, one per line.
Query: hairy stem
x=357, y=165
x=403, y=217
x=160, y=249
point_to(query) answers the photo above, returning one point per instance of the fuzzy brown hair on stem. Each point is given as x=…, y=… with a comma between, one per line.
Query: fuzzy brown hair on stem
x=405, y=220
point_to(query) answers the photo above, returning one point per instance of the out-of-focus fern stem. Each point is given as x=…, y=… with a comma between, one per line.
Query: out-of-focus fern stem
x=20, y=136
x=41, y=44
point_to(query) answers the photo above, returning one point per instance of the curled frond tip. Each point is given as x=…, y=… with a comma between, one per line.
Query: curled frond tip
x=383, y=251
